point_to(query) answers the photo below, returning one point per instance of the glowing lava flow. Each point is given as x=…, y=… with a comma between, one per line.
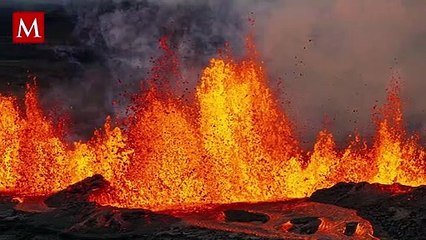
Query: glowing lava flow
x=232, y=144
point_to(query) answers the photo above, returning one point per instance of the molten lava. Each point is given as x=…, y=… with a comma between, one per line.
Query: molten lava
x=231, y=144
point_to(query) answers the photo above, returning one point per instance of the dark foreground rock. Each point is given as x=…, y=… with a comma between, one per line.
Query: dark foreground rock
x=69, y=215
x=394, y=212
x=77, y=193
x=232, y=215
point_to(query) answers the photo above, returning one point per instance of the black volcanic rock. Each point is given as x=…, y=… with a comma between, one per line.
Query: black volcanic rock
x=244, y=216
x=395, y=211
x=77, y=193
x=305, y=225
x=69, y=215
x=350, y=228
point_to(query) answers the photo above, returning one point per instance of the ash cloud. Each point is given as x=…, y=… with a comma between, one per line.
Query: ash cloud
x=337, y=57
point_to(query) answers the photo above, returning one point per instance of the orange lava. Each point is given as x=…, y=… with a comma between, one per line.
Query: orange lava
x=232, y=143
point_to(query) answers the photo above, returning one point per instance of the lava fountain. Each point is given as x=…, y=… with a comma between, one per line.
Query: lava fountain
x=232, y=143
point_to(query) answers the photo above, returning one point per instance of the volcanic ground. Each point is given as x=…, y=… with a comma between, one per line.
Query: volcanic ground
x=344, y=211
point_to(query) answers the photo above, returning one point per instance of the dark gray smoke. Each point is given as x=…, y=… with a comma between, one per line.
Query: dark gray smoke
x=337, y=57
x=124, y=36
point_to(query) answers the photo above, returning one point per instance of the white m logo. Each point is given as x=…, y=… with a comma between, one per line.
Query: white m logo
x=27, y=31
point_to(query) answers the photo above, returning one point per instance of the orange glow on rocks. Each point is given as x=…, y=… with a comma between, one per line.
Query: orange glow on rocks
x=233, y=143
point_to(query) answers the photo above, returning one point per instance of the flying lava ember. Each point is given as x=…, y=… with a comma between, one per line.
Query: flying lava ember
x=232, y=143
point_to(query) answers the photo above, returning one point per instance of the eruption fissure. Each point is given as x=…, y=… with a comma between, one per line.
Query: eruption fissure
x=233, y=143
